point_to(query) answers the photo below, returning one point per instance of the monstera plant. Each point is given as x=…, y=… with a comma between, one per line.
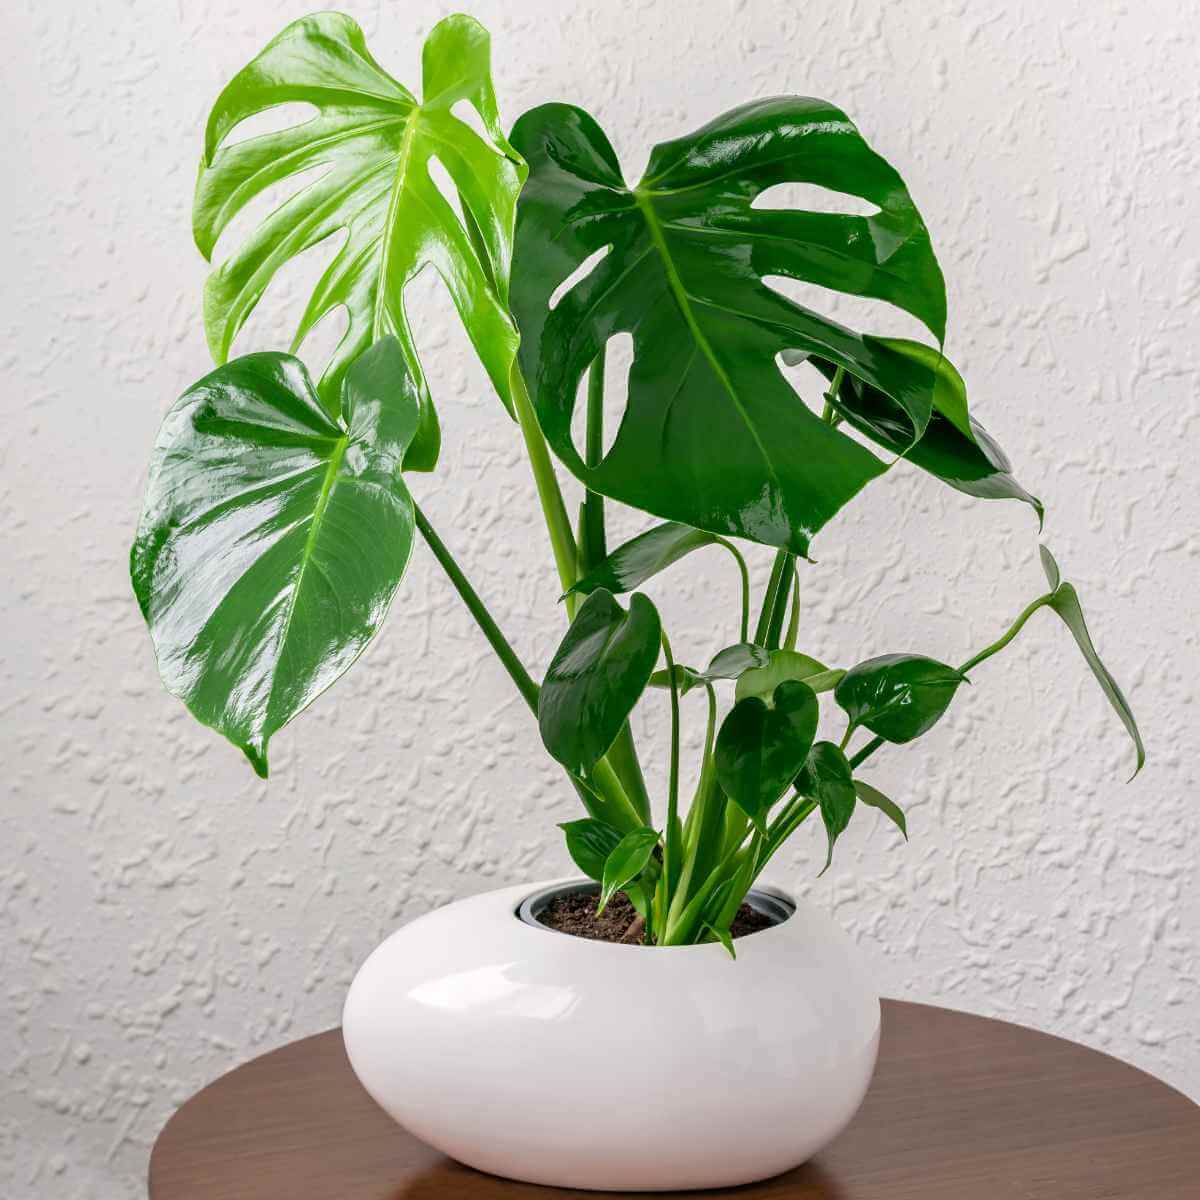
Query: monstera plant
x=280, y=514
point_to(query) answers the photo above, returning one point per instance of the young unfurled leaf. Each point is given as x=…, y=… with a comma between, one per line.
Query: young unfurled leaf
x=782, y=664
x=726, y=664
x=589, y=843
x=897, y=696
x=640, y=558
x=600, y=669
x=1065, y=601
x=761, y=747
x=828, y=779
x=723, y=936
x=626, y=862
x=712, y=434
x=373, y=143
x=274, y=534
x=876, y=799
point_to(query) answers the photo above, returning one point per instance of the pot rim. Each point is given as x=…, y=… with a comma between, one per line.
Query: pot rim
x=766, y=898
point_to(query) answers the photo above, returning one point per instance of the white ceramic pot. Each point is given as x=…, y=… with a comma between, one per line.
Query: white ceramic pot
x=549, y=1058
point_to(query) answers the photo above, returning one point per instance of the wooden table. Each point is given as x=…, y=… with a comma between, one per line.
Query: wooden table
x=961, y=1108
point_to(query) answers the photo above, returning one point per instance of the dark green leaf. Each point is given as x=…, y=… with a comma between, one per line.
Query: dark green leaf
x=760, y=748
x=1065, y=602
x=953, y=446
x=781, y=665
x=827, y=779
x=713, y=434
x=626, y=862
x=600, y=669
x=273, y=536
x=374, y=144
x=898, y=696
x=876, y=799
x=726, y=664
x=589, y=843
x=642, y=557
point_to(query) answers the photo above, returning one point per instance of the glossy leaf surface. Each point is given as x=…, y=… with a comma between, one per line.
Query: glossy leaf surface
x=373, y=144
x=781, y=665
x=626, y=862
x=876, y=799
x=827, y=779
x=273, y=536
x=1065, y=602
x=729, y=663
x=642, y=557
x=760, y=748
x=589, y=843
x=953, y=446
x=600, y=669
x=898, y=696
x=713, y=434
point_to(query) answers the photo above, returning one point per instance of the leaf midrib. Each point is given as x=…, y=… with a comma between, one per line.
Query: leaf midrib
x=405, y=153
x=683, y=299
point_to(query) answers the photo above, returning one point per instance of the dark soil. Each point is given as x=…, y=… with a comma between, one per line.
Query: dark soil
x=575, y=913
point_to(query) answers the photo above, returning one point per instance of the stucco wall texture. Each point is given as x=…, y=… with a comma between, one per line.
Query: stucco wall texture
x=165, y=915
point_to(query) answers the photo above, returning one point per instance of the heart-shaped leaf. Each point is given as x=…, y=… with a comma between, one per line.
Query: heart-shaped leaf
x=626, y=862
x=589, y=843
x=713, y=434
x=729, y=663
x=953, y=446
x=600, y=669
x=374, y=143
x=274, y=533
x=1065, y=601
x=783, y=664
x=827, y=778
x=897, y=696
x=760, y=747
x=642, y=557
x=876, y=799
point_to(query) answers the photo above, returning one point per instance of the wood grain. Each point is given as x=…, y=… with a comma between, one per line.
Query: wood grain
x=961, y=1108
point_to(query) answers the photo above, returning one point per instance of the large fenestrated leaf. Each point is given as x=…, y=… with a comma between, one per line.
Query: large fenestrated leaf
x=374, y=143
x=274, y=533
x=713, y=434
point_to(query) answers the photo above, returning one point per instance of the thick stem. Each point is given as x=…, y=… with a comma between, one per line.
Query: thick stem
x=593, y=546
x=558, y=524
x=793, y=629
x=744, y=572
x=477, y=609
x=671, y=857
x=862, y=755
x=768, y=604
x=783, y=593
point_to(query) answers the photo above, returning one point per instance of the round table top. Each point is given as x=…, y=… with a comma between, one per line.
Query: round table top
x=961, y=1108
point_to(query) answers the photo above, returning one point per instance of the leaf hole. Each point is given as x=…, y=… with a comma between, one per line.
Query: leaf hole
x=860, y=313
x=444, y=183
x=468, y=114
x=618, y=361
x=581, y=272
x=812, y=197
x=270, y=120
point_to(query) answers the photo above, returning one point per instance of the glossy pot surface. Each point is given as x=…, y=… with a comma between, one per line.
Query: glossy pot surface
x=549, y=1058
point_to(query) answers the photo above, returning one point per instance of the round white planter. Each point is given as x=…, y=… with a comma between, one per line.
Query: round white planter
x=549, y=1058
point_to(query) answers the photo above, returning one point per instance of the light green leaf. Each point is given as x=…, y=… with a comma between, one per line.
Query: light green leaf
x=876, y=799
x=782, y=664
x=626, y=862
x=589, y=843
x=374, y=144
x=726, y=664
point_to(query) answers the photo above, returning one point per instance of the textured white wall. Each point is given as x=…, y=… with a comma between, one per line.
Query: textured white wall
x=164, y=915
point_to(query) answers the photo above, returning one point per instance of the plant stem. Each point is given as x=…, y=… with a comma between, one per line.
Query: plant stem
x=623, y=756
x=744, y=571
x=671, y=857
x=831, y=416
x=866, y=752
x=558, y=524
x=789, y=639
x=768, y=604
x=1014, y=629
x=593, y=542
x=783, y=593
x=496, y=639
